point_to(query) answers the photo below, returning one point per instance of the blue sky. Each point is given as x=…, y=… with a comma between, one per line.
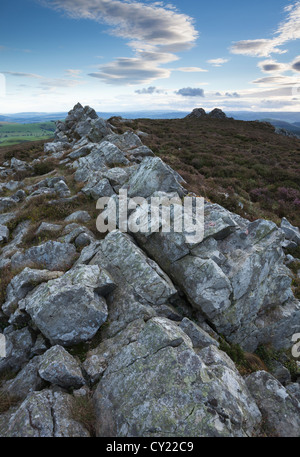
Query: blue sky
x=127, y=55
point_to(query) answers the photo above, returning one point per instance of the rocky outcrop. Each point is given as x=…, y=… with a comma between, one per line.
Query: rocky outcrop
x=217, y=114
x=199, y=113
x=196, y=113
x=134, y=324
x=235, y=277
x=161, y=358
x=81, y=123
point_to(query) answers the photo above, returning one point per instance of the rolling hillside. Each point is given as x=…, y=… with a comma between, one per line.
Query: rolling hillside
x=244, y=166
x=13, y=133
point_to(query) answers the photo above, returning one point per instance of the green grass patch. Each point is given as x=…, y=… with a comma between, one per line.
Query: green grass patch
x=11, y=134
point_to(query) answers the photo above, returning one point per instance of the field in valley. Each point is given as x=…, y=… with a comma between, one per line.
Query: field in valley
x=14, y=133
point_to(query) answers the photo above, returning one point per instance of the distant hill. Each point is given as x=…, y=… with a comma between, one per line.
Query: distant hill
x=33, y=117
x=290, y=117
x=292, y=128
x=30, y=118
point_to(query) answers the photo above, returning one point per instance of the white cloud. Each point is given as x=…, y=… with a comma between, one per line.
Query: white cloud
x=191, y=69
x=278, y=80
x=21, y=75
x=56, y=82
x=217, y=62
x=142, y=69
x=154, y=29
x=288, y=30
x=73, y=73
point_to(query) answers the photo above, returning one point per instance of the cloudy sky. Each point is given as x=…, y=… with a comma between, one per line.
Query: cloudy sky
x=128, y=55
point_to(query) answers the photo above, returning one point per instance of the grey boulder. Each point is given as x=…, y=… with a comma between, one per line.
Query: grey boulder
x=291, y=233
x=4, y=233
x=60, y=368
x=41, y=415
x=51, y=255
x=23, y=283
x=152, y=175
x=78, y=216
x=69, y=310
x=280, y=410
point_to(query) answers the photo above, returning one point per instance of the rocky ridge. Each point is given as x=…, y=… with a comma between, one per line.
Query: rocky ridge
x=133, y=325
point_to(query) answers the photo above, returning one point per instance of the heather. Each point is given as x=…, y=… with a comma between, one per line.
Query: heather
x=244, y=166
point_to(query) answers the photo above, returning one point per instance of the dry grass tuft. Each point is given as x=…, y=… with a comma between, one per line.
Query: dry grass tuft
x=82, y=410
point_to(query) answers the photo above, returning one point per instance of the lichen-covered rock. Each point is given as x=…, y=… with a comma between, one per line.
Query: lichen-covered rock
x=5, y=218
x=59, y=146
x=235, y=277
x=291, y=233
x=126, y=142
x=41, y=415
x=280, y=410
x=18, y=349
x=82, y=150
x=26, y=381
x=294, y=390
x=158, y=386
x=198, y=336
x=72, y=231
x=19, y=165
x=101, y=189
x=23, y=283
x=52, y=185
x=280, y=372
x=6, y=203
x=83, y=240
x=68, y=310
x=48, y=229
x=152, y=175
x=205, y=284
x=50, y=255
x=112, y=155
x=4, y=233
x=117, y=176
x=60, y=368
x=79, y=216
x=142, y=151
x=11, y=248
x=128, y=264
